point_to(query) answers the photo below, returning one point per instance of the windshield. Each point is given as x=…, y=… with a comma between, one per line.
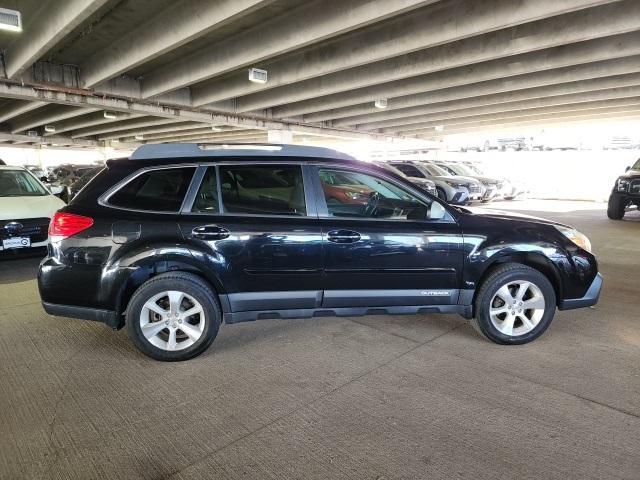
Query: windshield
x=475, y=169
x=636, y=166
x=20, y=183
x=435, y=170
x=460, y=169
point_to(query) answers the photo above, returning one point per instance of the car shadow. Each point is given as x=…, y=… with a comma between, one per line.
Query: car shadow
x=20, y=267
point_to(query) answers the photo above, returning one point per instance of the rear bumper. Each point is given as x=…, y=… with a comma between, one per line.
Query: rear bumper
x=108, y=317
x=590, y=298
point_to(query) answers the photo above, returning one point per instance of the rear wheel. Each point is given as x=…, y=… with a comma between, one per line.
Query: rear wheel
x=616, y=207
x=174, y=316
x=515, y=305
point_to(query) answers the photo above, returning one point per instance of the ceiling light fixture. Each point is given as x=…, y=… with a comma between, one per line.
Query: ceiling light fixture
x=382, y=103
x=139, y=137
x=49, y=128
x=215, y=129
x=257, y=75
x=10, y=20
x=110, y=115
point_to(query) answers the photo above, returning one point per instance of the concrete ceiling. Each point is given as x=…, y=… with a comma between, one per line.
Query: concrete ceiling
x=167, y=70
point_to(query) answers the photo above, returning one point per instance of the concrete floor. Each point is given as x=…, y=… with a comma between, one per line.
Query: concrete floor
x=369, y=397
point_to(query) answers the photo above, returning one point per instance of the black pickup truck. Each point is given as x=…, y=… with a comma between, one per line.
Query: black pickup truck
x=625, y=193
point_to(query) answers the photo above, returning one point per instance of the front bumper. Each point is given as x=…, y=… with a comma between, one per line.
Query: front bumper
x=590, y=298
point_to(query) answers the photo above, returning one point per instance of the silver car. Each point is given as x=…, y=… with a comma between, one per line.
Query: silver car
x=423, y=183
x=493, y=186
x=453, y=189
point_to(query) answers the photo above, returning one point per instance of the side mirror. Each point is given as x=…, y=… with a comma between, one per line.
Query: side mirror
x=627, y=169
x=44, y=179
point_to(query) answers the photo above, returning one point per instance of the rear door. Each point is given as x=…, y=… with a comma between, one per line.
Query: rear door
x=384, y=244
x=255, y=225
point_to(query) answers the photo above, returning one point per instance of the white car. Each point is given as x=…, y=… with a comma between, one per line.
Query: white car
x=26, y=206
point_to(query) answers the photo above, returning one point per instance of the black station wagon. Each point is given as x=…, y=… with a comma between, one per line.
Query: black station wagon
x=178, y=238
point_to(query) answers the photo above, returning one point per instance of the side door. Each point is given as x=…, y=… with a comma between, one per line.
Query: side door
x=255, y=225
x=384, y=243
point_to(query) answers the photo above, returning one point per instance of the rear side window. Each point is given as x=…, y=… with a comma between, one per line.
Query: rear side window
x=264, y=190
x=160, y=190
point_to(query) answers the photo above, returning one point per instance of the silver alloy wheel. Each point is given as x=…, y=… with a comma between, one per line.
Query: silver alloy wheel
x=172, y=320
x=517, y=308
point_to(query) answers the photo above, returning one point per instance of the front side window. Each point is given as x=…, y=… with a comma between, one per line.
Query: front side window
x=161, y=190
x=20, y=183
x=263, y=189
x=359, y=195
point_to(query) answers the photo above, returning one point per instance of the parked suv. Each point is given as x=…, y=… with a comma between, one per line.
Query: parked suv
x=626, y=192
x=492, y=186
x=453, y=189
x=179, y=238
x=425, y=184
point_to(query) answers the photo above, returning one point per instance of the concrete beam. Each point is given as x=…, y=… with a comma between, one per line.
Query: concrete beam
x=277, y=36
x=90, y=120
x=617, y=18
x=170, y=128
x=203, y=132
x=176, y=114
x=53, y=114
x=574, y=92
x=180, y=24
x=198, y=136
x=442, y=23
x=12, y=137
x=583, y=110
x=50, y=25
x=125, y=125
x=520, y=125
x=360, y=101
x=19, y=108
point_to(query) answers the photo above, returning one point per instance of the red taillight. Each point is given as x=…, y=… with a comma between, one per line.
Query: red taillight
x=64, y=225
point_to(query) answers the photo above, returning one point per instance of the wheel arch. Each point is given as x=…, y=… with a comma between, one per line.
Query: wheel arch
x=130, y=272
x=533, y=260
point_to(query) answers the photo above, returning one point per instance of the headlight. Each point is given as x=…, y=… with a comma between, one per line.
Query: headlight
x=576, y=237
x=622, y=185
x=451, y=183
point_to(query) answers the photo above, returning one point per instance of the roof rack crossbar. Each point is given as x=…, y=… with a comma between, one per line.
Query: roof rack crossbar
x=178, y=150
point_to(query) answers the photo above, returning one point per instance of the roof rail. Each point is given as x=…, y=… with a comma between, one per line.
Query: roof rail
x=189, y=150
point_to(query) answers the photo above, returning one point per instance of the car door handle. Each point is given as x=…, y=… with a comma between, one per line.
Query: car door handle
x=210, y=232
x=343, y=236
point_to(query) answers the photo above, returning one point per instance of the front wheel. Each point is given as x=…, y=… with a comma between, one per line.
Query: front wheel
x=174, y=316
x=515, y=305
x=616, y=206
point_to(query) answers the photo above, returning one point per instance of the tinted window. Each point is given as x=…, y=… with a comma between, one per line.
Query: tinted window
x=266, y=190
x=207, y=197
x=409, y=170
x=360, y=195
x=156, y=190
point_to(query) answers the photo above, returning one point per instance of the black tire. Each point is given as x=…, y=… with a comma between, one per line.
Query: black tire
x=616, y=206
x=189, y=284
x=441, y=194
x=502, y=275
